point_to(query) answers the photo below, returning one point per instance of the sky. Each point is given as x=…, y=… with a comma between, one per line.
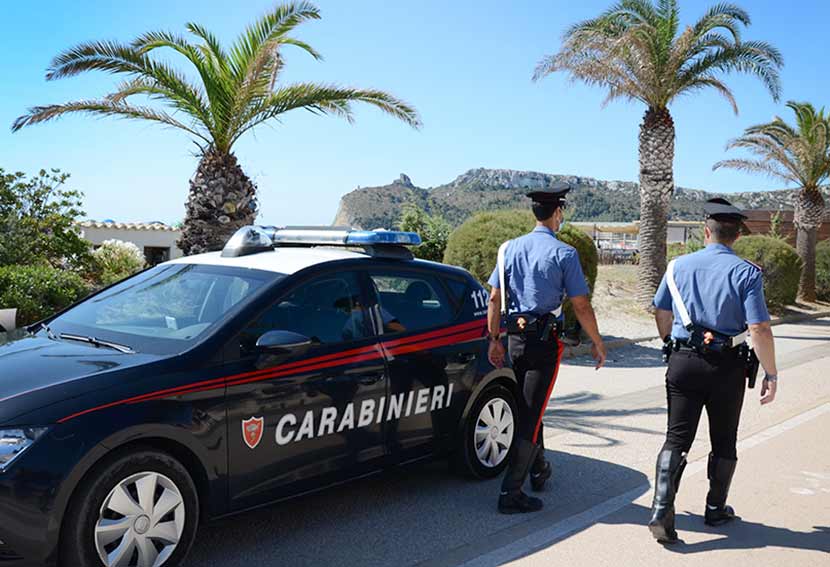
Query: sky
x=466, y=65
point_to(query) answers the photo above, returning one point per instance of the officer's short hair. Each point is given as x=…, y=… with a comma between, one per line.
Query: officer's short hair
x=543, y=211
x=724, y=231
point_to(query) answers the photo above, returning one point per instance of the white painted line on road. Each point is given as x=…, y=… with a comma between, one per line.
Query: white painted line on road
x=545, y=537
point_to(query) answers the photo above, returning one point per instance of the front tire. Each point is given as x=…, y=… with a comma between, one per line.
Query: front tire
x=139, y=509
x=488, y=434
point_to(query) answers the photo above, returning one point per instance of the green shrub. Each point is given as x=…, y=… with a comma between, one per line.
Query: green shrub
x=674, y=250
x=434, y=231
x=38, y=291
x=115, y=260
x=823, y=270
x=781, y=265
x=474, y=245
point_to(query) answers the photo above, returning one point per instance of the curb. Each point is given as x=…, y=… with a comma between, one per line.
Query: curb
x=585, y=348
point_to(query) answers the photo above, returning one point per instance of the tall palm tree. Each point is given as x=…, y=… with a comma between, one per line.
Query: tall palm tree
x=797, y=154
x=235, y=90
x=637, y=50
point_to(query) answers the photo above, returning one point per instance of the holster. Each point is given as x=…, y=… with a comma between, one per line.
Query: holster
x=546, y=326
x=752, y=364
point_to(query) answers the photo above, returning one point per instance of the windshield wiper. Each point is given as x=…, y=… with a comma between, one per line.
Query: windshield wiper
x=49, y=333
x=97, y=342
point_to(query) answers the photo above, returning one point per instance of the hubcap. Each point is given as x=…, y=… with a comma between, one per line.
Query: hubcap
x=494, y=432
x=141, y=522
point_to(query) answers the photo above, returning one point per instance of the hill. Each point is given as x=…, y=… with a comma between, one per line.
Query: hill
x=489, y=189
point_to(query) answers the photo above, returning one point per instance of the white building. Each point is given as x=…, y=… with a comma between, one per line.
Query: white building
x=625, y=235
x=157, y=240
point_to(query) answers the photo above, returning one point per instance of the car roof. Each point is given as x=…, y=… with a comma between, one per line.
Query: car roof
x=279, y=260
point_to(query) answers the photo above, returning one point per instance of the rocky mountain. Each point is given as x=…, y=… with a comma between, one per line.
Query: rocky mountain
x=489, y=189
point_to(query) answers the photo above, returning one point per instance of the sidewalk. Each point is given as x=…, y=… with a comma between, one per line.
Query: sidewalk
x=781, y=492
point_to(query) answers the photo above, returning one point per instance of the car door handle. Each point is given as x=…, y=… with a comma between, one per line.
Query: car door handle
x=370, y=379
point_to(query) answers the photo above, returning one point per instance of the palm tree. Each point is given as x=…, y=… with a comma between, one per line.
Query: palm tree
x=797, y=154
x=636, y=50
x=235, y=91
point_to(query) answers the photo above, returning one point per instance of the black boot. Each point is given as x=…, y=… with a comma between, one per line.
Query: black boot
x=541, y=470
x=512, y=500
x=670, y=465
x=720, y=477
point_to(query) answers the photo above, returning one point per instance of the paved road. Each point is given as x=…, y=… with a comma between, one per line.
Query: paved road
x=604, y=429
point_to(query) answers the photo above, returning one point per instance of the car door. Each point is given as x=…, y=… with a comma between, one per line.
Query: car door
x=431, y=354
x=298, y=422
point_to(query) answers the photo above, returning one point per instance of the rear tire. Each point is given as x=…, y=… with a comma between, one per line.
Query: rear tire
x=487, y=438
x=142, y=504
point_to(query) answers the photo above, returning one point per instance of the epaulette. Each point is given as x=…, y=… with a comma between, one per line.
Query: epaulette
x=753, y=264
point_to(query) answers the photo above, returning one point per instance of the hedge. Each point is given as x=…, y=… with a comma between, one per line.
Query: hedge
x=474, y=245
x=38, y=291
x=823, y=270
x=781, y=265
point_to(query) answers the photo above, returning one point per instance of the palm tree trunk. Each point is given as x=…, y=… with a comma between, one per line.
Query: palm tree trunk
x=809, y=211
x=222, y=199
x=656, y=188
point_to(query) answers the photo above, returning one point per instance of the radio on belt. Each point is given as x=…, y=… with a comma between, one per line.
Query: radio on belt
x=254, y=239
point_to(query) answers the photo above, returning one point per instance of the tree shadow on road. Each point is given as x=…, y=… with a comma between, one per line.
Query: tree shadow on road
x=599, y=420
x=741, y=534
x=406, y=516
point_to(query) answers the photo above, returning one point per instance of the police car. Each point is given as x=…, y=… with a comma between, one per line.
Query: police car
x=293, y=360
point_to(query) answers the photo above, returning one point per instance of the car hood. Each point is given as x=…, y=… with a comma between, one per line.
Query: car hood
x=40, y=371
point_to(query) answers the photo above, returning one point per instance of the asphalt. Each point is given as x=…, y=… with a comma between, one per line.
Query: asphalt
x=603, y=430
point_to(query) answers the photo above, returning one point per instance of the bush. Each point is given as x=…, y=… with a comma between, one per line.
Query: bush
x=433, y=229
x=115, y=260
x=38, y=291
x=823, y=270
x=474, y=245
x=781, y=264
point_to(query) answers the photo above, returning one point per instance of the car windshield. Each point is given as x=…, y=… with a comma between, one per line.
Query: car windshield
x=165, y=309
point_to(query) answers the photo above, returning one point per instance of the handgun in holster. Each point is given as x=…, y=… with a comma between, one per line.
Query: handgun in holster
x=753, y=364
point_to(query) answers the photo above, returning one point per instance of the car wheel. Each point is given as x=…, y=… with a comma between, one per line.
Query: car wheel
x=488, y=433
x=139, y=509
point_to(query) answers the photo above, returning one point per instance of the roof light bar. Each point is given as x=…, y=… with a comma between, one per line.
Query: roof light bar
x=254, y=239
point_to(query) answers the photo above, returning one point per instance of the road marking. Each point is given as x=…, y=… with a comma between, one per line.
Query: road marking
x=560, y=530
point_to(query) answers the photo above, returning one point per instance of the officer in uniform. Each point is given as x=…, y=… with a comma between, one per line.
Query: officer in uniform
x=704, y=305
x=534, y=273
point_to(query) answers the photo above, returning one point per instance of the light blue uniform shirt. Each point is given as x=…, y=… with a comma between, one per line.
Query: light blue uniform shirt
x=722, y=292
x=540, y=269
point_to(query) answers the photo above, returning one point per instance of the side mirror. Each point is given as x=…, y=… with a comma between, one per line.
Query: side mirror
x=283, y=342
x=8, y=320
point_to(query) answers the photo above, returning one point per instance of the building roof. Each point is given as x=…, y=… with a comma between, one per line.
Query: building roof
x=280, y=260
x=128, y=225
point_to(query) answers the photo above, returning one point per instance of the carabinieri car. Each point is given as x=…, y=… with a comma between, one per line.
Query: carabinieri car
x=293, y=360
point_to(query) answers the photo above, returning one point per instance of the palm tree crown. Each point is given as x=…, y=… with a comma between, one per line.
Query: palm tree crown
x=236, y=90
x=634, y=50
x=797, y=154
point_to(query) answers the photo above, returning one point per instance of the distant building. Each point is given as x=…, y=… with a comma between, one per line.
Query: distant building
x=625, y=235
x=156, y=239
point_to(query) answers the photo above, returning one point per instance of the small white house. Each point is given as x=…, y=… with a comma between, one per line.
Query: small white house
x=157, y=240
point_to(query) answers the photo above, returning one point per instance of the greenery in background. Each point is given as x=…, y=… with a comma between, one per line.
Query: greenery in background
x=781, y=265
x=776, y=222
x=474, y=245
x=823, y=270
x=115, y=260
x=638, y=50
x=693, y=244
x=38, y=291
x=37, y=221
x=224, y=93
x=433, y=229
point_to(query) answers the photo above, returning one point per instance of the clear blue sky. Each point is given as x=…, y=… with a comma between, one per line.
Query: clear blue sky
x=465, y=65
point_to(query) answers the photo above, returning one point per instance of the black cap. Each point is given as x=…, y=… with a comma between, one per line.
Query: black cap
x=723, y=210
x=554, y=194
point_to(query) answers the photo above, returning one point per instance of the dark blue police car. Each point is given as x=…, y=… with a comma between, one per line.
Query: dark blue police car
x=293, y=360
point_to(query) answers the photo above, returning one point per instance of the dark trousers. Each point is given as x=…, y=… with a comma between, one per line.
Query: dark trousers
x=695, y=381
x=536, y=363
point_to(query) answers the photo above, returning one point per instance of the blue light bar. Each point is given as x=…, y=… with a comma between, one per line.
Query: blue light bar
x=381, y=237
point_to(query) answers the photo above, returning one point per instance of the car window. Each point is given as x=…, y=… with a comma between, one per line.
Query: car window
x=327, y=309
x=168, y=304
x=411, y=301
